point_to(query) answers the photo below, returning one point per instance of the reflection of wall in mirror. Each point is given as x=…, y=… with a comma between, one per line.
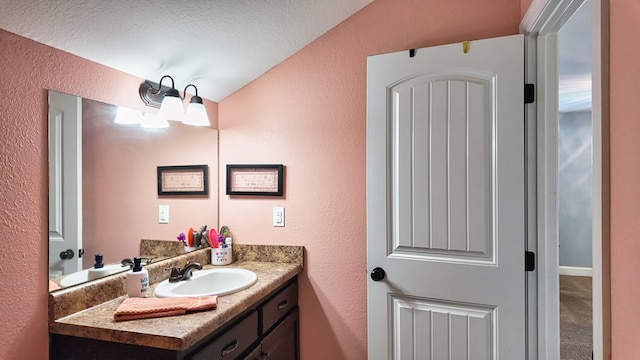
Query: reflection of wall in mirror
x=120, y=197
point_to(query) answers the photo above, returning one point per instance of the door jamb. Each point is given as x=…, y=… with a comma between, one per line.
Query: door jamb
x=541, y=23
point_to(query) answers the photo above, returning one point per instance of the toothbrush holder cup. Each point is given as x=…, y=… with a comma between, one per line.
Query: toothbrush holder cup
x=221, y=256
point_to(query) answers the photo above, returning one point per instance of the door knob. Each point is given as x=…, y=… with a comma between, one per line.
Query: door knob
x=377, y=274
x=67, y=254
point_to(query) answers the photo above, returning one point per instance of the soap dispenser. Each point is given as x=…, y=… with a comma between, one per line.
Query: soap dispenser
x=137, y=279
x=98, y=270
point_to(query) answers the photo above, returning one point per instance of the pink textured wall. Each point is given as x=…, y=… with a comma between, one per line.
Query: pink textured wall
x=625, y=178
x=28, y=70
x=309, y=113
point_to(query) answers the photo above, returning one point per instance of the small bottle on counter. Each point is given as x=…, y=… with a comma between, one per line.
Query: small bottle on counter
x=98, y=270
x=137, y=279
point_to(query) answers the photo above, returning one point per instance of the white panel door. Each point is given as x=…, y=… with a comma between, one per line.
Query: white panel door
x=445, y=202
x=65, y=183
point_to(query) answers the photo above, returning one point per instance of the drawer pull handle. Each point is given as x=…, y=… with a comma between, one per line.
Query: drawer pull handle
x=230, y=348
x=283, y=304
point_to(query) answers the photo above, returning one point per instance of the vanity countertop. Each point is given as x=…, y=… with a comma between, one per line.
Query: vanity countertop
x=175, y=332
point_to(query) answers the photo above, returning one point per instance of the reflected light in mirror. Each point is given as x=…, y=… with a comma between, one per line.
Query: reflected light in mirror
x=126, y=116
x=153, y=121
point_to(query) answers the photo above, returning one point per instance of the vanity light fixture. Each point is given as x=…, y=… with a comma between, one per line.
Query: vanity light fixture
x=169, y=101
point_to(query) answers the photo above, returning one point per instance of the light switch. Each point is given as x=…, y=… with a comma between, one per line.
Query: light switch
x=163, y=214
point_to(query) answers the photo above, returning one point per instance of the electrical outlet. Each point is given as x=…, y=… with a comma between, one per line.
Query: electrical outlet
x=278, y=216
x=163, y=214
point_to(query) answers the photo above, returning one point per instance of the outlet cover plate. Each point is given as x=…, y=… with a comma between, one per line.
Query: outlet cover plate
x=163, y=214
x=278, y=216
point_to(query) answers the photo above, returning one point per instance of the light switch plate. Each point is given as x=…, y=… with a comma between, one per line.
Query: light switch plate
x=163, y=214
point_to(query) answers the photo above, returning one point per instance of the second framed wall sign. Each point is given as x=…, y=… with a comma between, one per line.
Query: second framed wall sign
x=259, y=180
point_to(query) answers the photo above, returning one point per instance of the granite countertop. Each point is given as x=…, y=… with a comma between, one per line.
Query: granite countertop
x=175, y=332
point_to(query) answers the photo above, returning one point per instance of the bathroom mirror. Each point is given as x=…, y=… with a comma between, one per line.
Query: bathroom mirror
x=103, y=190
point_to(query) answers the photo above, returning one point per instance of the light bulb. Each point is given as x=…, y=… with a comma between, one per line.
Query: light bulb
x=196, y=115
x=171, y=107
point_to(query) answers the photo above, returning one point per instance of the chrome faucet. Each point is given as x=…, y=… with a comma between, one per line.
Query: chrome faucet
x=178, y=275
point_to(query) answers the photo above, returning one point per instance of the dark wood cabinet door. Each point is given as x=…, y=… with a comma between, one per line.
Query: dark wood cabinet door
x=282, y=342
x=256, y=354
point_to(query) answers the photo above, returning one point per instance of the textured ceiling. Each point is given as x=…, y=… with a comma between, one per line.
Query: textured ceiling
x=222, y=45
x=218, y=45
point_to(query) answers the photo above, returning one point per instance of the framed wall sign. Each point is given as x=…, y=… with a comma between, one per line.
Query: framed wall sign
x=265, y=180
x=183, y=180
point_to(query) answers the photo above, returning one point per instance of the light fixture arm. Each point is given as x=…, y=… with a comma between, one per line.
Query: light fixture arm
x=186, y=87
x=195, y=98
x=160, y=84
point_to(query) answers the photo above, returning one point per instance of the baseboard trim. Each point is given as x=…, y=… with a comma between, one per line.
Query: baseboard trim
x=575, y=271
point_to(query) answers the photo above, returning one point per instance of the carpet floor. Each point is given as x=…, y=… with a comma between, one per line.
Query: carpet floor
x=576, y=339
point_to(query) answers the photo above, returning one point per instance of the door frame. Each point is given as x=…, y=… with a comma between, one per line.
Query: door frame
x=540, y=25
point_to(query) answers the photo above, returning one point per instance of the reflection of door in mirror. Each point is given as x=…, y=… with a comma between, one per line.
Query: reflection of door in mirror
x=65, y=183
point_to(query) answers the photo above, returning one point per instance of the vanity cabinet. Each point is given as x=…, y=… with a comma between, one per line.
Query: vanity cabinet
x=267, y=330
x=270, y=332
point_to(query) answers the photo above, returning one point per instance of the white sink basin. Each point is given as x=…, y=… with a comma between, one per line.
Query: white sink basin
x=90, y=274
x=217, y=281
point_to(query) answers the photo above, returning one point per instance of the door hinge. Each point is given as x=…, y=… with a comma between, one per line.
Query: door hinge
x=529, y=261
x=529, y=93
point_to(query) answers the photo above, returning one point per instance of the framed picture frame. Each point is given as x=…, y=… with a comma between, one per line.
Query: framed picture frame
x=183, y=180
x=257, y=180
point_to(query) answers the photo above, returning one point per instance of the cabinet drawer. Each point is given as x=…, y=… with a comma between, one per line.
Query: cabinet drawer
x=279, y=305
x=233, y=341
